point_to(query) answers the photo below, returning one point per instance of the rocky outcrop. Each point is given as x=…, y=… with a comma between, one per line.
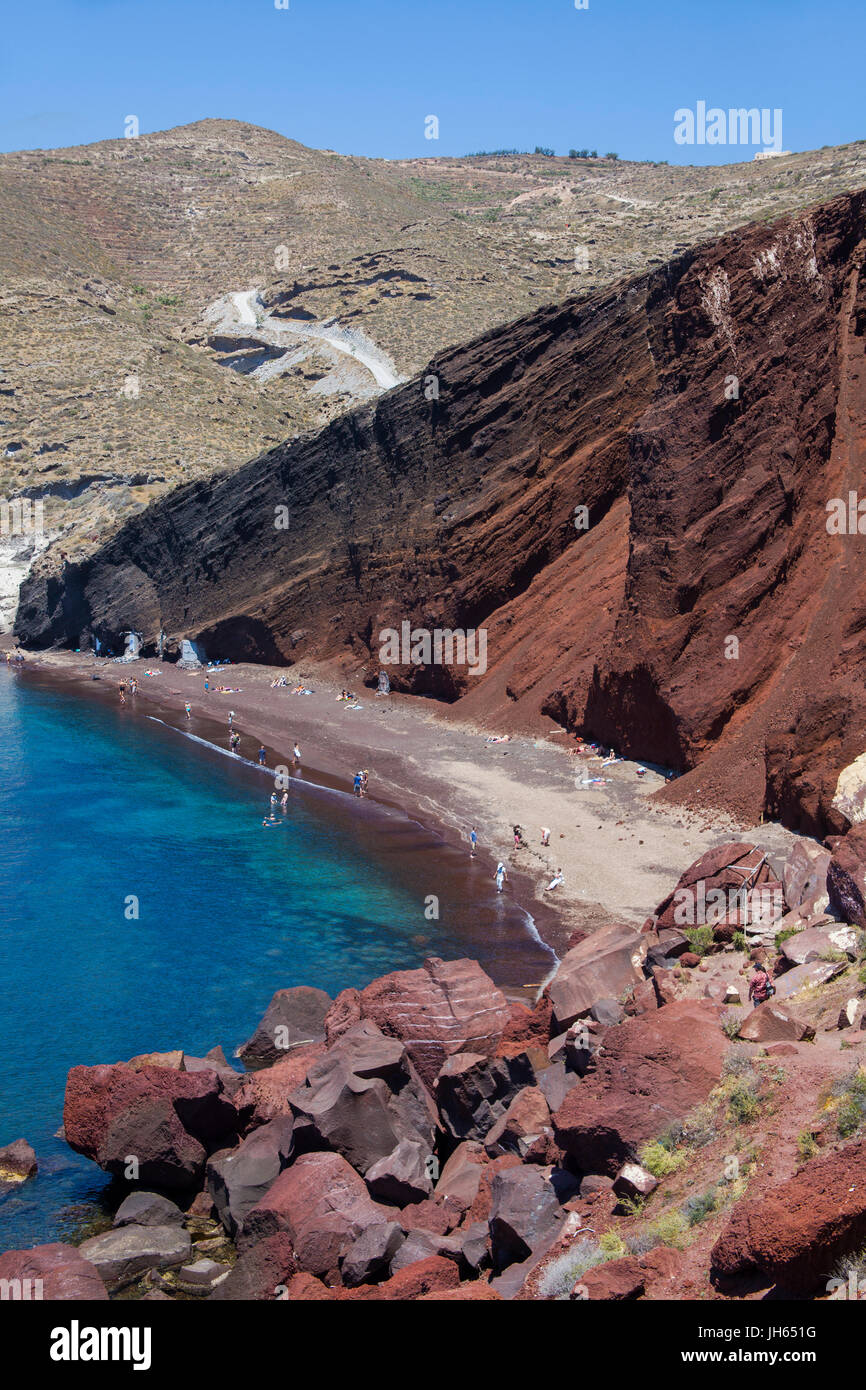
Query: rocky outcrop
x=846, y=877
x=652, y=1071
x=629, y=491
x=794, y=1234
x=153, y=1124
x=442, y=1008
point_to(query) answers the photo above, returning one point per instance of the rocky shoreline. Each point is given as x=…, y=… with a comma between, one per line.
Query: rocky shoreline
x=427, y=1138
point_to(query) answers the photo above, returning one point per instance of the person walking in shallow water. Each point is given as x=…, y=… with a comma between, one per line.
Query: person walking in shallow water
x=473, y=840
x=501, y=876
x=263, y=756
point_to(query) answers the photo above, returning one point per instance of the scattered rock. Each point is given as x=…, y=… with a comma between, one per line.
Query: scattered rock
x=262, y=1271
x=122, y=1254
x=813, y=943
x=615, y=1281
x=473, y=1091
x=526, y=1117
x=768, y=1023
x=147, y=1209
x=363, y=1098
x=525, y=1210
x=633, y=1182
x=17, y=1164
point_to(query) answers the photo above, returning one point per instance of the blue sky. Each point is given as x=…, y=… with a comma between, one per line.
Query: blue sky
x=360, y=76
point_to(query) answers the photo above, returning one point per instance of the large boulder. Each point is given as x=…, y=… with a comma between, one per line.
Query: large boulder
x=816, y=942
x=124, y=1253
x=294, y=1018
x=363, y=1097
x=237, y=1181
x=799, y=1230
x=768, y=1023
x=846, y=876
x=817, y=972
x=17, y=1164
x=804, y=878
x=712, y=891
x=323, y=1204
x=153, y=1124
x=605, y=965
x=473, y=1091
x=147, y=1209
x=526, y=1211
x=442, y=1008
x=403, y=1176
x=56, y=1273
x=652, y=1071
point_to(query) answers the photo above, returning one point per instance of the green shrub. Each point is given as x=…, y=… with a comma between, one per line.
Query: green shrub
x=698, y=1208
x=806, y=1146
x=699, y=938
x=562, y=1274
x=658, y=1159
x=743, y=1104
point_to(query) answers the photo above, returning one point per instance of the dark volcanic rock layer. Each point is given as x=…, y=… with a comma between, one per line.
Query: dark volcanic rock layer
x=705, y=414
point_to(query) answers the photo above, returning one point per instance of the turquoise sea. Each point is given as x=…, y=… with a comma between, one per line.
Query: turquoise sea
x=106, y=812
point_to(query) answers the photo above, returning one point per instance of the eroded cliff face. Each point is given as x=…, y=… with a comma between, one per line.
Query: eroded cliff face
x=704, y=414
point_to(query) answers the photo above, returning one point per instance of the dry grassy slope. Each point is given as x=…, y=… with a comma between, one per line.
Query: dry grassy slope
x=109, y=254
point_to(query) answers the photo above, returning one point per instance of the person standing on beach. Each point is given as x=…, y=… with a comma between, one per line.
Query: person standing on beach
x=545, y=835
x=296, y=752
x=234, y=740
x=501, y=876
x=356, y=784
x=122, y=692
x=473, y=840
x=365, y=777
x=206, y=683
x=188, y=708
x=263, y=756
x=231, y=717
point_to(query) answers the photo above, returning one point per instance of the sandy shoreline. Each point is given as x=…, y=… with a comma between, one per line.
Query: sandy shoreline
x=619, y=851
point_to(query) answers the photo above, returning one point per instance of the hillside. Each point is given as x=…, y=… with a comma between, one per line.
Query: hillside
x=707, y=522
x=126, y=367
